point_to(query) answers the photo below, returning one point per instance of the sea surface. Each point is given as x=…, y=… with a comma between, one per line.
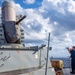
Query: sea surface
x=66, y=61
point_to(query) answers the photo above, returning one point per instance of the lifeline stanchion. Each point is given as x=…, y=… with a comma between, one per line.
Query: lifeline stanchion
x=47, y=54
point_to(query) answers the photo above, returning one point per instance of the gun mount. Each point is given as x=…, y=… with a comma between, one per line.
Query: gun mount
x=11, y=27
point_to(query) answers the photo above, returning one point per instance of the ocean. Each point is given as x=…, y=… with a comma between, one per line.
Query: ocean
x=66, y=61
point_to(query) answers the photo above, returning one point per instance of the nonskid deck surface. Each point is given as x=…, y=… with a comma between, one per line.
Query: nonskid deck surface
x=66, y=71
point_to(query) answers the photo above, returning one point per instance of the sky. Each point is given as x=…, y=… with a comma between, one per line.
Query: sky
x=56, y=17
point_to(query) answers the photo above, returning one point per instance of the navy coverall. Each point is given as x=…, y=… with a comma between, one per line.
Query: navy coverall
x=72, y=60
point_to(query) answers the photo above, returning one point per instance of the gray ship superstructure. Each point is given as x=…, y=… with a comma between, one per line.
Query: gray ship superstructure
x=15, y=58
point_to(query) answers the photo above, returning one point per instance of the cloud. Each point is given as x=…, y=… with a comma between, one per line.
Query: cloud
x=61, y=14
x=29, y=1
x=35, y=25
x=58, y=54
x=52, y=16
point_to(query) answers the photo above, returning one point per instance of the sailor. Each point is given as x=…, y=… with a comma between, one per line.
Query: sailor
x=72, y=52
